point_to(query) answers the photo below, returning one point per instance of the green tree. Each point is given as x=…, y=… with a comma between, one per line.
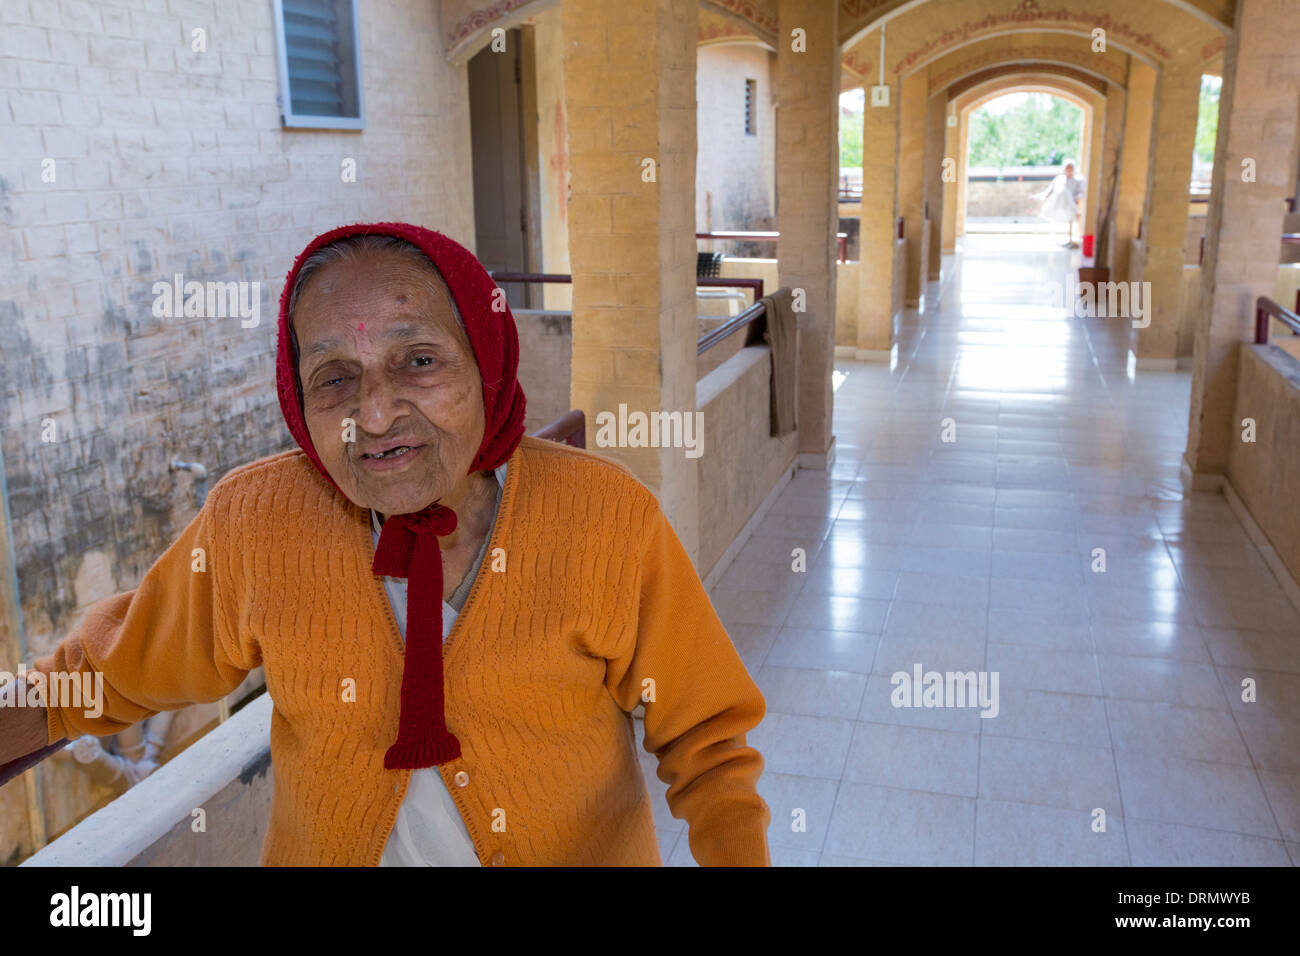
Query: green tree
x=1040, y=130
x=1207, y=117
x=850, y=136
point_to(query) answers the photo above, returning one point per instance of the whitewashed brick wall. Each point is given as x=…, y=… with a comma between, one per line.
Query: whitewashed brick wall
x=170, y=161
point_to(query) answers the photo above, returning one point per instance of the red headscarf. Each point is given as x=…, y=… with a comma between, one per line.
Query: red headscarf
x=408, y=544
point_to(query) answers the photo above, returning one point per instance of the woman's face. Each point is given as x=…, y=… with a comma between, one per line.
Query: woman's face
x=379, y=346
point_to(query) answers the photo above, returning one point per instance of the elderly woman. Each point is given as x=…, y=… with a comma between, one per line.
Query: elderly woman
x=416, y=525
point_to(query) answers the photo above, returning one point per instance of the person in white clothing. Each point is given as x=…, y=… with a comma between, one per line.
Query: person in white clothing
x=1061, y=199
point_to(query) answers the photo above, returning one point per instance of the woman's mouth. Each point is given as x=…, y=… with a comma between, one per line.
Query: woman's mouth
x=393, y=453
x=390, y=458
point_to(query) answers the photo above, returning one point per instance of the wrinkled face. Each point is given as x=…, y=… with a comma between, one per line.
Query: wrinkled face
x=379, y=344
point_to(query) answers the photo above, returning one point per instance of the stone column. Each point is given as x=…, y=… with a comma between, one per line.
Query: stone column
x=1258, y=109
x=629, y=92
x=1134, y=163
x=935, y=128
x=1094, y=125
x=963, y=149
x=807, y=177
x=911, y=181
x=878, y=228
x=951, y=139
x=1165, y=220
x=1108, y=171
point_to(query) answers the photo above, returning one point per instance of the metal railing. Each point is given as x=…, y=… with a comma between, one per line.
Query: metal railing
x=20, y=766
x=1266, y=309
x=842, y=238
x=569, y=429
x=753, y=319
x=717, y=282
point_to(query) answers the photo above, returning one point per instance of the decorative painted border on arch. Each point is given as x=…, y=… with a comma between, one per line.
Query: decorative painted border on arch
x=722, y=28
x=857, y=9
x=1029, y=14
x=858, y=67
x=1042, y=74
x=464, y=30
x=756, y=13
x=1041, y=54
x=857, y=12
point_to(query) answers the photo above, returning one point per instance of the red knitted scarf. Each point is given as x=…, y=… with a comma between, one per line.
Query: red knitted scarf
x=408, y=544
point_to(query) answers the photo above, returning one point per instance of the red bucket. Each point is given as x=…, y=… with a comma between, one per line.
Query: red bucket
x=1087, y=246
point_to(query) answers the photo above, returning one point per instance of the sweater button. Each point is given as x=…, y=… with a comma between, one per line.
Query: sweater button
x=461, y=779
x=498, y=858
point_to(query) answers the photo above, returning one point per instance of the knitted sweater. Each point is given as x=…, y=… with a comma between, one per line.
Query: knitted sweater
x=598, y=604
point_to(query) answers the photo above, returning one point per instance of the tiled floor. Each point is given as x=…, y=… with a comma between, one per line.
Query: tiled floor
x=1119, y=691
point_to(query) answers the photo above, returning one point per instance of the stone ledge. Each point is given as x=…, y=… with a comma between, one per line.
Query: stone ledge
x=135, y=827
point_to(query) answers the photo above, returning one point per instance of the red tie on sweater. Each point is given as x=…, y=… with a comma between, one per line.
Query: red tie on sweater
x=408, y=544
x=408, y=548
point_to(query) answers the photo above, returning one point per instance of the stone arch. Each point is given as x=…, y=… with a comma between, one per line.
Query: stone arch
x=934, y=56
x=1083, y=95
x=861, y=17
x=959, y=85
x=471, y=22
x=1036, y=47
x=736, y=20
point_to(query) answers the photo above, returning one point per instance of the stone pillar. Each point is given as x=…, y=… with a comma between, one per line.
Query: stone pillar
x=951, y=140
x=963, y=149
x=913, y=100
x=1164, y=228
x=629, y=91
x=807, y=176
x=935, y=128
x=1094, y=125
x=1134, y=163
x=1112, y=143
x=876, y=318
x=1258, y=121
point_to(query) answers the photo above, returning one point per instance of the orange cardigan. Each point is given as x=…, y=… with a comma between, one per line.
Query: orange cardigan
x=597, y=604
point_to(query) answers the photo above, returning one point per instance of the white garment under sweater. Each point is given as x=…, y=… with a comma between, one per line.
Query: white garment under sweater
x=429, y=830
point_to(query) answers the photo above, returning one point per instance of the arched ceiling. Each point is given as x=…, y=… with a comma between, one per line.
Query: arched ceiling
x=858, y=17
x=1156, y=31
x=757, y=16
x=1083, y=97
x=467, y=24
x=1023, y=48
x=717, y=28
x=1044, y=74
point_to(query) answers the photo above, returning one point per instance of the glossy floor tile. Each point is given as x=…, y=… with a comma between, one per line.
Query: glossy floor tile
x=1048, y=541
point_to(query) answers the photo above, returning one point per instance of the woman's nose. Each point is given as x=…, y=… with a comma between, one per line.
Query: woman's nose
x=380, y=405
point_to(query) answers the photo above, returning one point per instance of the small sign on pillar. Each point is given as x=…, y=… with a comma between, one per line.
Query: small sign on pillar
x=880, y=95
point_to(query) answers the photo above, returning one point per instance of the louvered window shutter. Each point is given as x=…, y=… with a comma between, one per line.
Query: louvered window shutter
x=320, y=63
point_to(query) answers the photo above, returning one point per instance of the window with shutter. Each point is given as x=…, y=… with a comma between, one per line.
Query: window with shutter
x=320, y=63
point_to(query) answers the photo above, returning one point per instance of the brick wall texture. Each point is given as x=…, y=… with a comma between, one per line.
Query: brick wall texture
x=171, y=161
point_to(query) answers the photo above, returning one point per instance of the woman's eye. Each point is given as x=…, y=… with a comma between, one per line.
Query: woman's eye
x=422, y=361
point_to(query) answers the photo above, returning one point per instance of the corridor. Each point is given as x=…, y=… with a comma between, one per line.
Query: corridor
x=1121, y=737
